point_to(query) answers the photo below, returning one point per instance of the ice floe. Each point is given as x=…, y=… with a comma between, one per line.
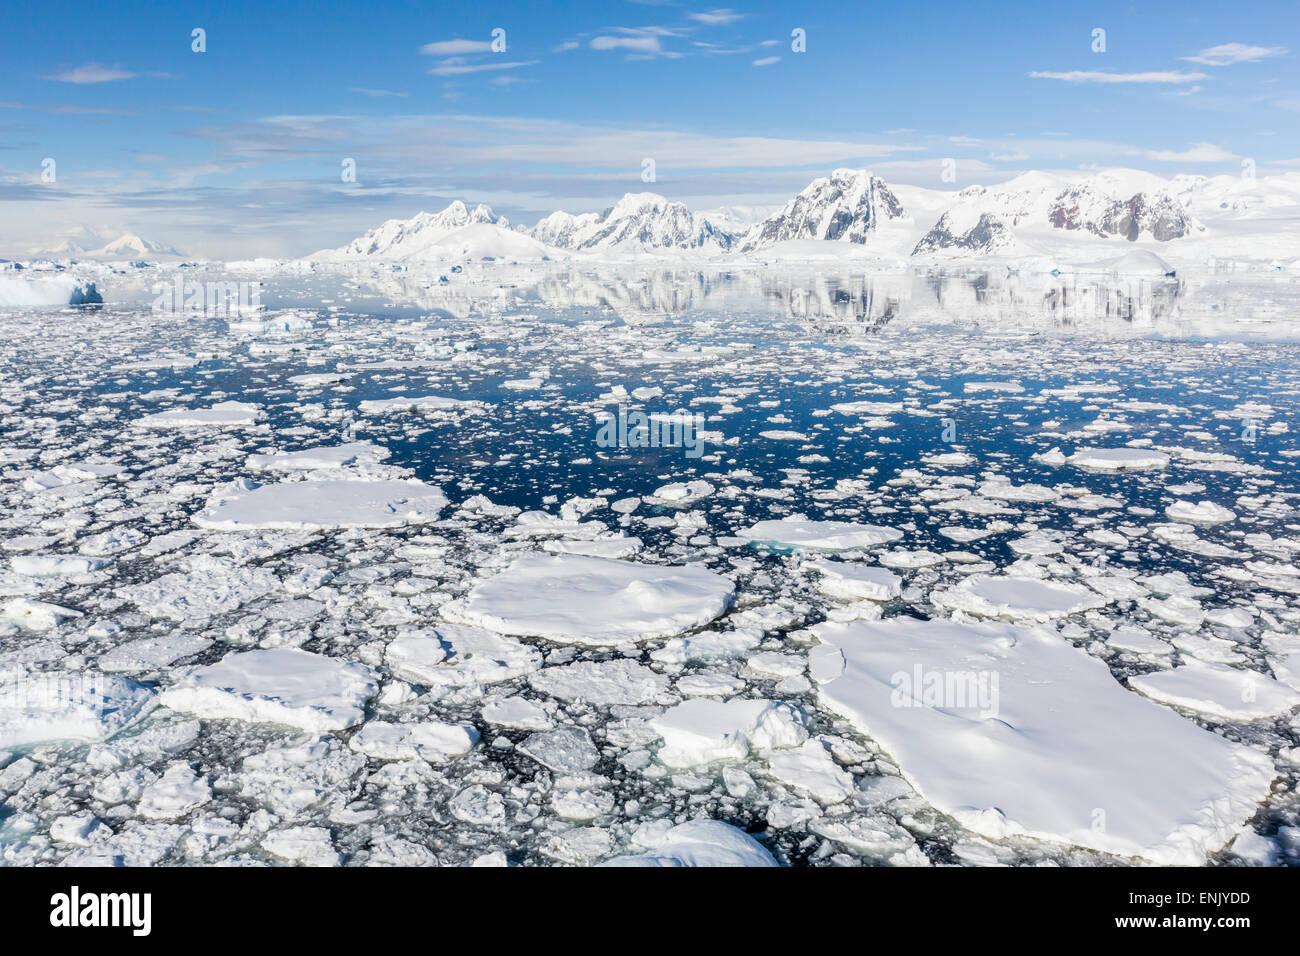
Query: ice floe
x=574, y=599
x=1013, y=731
x=276, y=685
x=319, y=505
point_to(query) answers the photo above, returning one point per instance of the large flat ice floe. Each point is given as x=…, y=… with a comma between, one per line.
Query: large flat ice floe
x=801, y=534
x=1118, y=459
x=700, y=843
x=58, y=707
x=324, y=505
x=575, y=599
x=1017, y=598
x=1058, y=751
x=327, y=456
x=1218, y=690
x=699, y=732
x=277, y=686
x=220, y=415
x=456, y=655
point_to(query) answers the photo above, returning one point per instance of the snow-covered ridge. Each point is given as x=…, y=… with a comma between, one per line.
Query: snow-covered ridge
x=415, y=238
x=91, y=244
x=639, y=222
x=846, y=206
x=1057, y=217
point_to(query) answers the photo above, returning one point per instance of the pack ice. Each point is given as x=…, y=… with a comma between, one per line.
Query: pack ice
x=576, y=599
x=1069, y=755
x=320, y=505
x=278, y=686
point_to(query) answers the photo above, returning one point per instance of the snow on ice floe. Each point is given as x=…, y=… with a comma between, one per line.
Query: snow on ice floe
x=1231, y=693
x=699, y=843
x=321, y=505
x=1018, y=598
x=602, y=683
x=1118, y=459
x=84, y=708
x=278, y=686
x=1202, y=513
x=574, y=599
x=457, y=655
x=841, y=579
x=802, y=534
x=434, y=742
x=324, y=457
x=202, y=587
x=1013, y=731
x=411, y=403
x=699, y=731
x=220, y=415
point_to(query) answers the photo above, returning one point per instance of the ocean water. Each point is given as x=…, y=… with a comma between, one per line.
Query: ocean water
x=972, y=381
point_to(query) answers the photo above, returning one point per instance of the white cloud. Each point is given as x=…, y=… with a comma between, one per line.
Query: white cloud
x=713, y=18
x=766, y=61
x=1226, y=54
x=457, y=66
x=1093, y=76
x=456, y=47
x=377, y=93
x=93, y=73
x=642, y=43
x=1199, y=153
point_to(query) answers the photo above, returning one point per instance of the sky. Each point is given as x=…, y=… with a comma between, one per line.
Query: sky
x=111, y=119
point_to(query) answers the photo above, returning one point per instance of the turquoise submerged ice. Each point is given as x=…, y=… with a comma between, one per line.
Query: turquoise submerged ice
x=957, y=571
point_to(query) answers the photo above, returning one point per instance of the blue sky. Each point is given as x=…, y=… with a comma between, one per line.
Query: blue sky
x=237, y=151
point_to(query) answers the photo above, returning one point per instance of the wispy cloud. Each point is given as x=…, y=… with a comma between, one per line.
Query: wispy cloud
x=66, y=108
x=767, y=61
x=369, y=92
x=713, y=18
x=456, y=47
x=93, y=73
x=458, y=66
x=1095, y=76
x=1199, y=153
x=1226, y=54
x=641, y=43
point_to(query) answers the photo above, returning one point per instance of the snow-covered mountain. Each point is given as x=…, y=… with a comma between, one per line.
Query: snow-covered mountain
x=639, y=222
x=1019, y=215
x=419, y=237
x=846, y=206
x=1055, y=218
x=90, y=243
x=561, y=229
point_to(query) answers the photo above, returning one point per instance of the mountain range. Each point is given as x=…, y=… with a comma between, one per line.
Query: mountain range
x=854, y=213
x=90, y=243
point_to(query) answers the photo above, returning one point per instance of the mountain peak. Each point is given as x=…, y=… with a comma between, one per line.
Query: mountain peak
x=846, y=206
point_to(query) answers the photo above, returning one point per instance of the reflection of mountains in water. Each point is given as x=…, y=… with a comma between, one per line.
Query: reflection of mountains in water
x=832, y=304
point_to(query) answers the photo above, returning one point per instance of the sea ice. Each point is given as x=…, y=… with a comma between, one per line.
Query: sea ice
x=456, y=655
x=221, y=415
x=700, y=843
x=802, y=534
x=1067, y=754
x=574, y=599
x=1017, y=598
x=44, y=708
x=278, y=685
x=324, y=505
x=703, y=731
x=1118, y=459
x=1218, y=690
x=327, y=456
